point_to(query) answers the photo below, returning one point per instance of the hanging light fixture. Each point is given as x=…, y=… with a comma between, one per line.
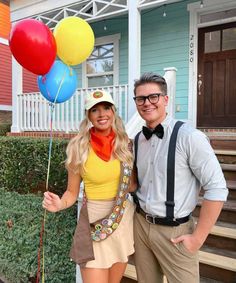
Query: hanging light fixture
x=164, y=11
x=104, y=26
x=201, y=4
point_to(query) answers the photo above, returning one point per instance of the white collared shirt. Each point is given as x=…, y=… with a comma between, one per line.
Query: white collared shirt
x=195, y=165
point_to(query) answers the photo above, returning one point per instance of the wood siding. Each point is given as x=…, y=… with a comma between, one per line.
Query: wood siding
x=164, y=43
x=5, y=75
x=29, y=82
x=5, y=24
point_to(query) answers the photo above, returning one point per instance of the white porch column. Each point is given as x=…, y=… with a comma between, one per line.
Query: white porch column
x=134, y=51
x=16, y=88
x=170, y=77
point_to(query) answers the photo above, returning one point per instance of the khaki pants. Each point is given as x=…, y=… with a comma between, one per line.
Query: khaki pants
x=156, y=256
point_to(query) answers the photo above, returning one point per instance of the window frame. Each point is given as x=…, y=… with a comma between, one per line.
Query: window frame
x=110, y=39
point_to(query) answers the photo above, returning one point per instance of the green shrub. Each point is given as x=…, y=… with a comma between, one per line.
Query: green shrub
x=4, y=129
x=24, y=162
x=20, y=224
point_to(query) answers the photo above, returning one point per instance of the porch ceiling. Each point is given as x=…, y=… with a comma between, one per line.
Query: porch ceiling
x=90, y=10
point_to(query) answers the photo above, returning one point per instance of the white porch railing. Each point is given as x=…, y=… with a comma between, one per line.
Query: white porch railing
x=35, y=115
x=33, y=111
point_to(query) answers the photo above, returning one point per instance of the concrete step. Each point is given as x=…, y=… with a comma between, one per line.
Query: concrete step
x=218, y=262
x=222, y=142
x=217, y=267
x=231, y=185
x=229, y=171
x=223, y=229
x=228, y=213
x=228, y=167
x=224, y=239
x=226, y=156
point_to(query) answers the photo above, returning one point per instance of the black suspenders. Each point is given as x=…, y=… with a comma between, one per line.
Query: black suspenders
x=170, y=172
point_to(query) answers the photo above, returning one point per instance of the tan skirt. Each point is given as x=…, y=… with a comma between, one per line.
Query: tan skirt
x=120, y=244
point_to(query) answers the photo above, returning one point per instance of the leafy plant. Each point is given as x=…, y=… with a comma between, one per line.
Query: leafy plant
x=4, y=129
x=24, y=162
x=20, y=224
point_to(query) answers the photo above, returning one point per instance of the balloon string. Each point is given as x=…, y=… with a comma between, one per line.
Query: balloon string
x=58, y=91
x=48, y=173
x=42, y=246
x=39, y=250
x=41, y=241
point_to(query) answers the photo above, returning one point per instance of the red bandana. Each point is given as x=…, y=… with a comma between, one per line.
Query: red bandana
x=102, y=145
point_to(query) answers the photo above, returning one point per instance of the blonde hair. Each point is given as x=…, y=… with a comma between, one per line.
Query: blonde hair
x=78, y=148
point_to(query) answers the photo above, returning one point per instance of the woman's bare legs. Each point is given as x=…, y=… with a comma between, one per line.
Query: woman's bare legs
x=104, y=275
x=94, y=275
x=116, y=272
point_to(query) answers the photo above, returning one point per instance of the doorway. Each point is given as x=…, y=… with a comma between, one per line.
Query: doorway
x=216, y=84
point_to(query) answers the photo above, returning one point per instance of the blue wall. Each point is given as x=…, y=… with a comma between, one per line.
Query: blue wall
x=116, y=25
x=164, y=43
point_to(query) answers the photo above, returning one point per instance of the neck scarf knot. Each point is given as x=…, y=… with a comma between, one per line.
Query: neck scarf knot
x=102, y=145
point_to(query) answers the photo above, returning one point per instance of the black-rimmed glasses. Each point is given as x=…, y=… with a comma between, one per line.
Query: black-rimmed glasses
x=152, y=98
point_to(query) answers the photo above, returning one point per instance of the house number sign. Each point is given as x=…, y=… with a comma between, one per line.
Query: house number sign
x=191, y=46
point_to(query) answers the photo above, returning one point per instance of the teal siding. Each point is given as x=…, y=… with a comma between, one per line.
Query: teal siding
x=116, y=25
x=164, y=43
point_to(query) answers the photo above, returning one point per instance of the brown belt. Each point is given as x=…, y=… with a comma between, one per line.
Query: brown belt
x=152, y=219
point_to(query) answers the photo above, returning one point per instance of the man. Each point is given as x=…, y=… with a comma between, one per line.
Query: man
x=169, y=245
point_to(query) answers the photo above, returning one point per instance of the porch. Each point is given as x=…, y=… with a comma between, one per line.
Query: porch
x=33, y=113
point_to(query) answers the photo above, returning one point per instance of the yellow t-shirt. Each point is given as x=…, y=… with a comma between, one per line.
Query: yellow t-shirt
x=101, y=178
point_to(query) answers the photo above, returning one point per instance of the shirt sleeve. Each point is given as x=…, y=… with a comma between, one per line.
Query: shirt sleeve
x=205, y=166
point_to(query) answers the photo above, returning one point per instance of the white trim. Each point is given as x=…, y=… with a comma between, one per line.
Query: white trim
x=4, y=41
x=148, y=4
x=195, y=13
x=218, y=22
x=134, y=45
x=87, y=9
x=5, y=107
x=100, y=41
x=16, y=89
x=19, y=11
x=170, y=77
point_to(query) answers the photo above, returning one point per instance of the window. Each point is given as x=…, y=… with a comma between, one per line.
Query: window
x=229, y=39
x=212, y=41
x=101, y=68
x=218, y=16
x=219, y=40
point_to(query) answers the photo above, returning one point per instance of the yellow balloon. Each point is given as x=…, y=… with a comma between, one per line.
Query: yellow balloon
x=75, y=40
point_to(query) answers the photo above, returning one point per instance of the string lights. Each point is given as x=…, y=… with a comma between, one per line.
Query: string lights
x=105, y=27
x=164, y=11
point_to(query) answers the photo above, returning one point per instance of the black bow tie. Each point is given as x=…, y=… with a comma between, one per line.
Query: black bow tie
x=159, y=131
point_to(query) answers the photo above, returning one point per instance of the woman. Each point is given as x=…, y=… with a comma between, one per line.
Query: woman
x=99, y=155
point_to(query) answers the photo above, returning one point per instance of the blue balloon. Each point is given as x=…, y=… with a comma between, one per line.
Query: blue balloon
x=59, y=84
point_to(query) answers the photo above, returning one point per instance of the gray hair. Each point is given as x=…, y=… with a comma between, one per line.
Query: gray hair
x=151, y=78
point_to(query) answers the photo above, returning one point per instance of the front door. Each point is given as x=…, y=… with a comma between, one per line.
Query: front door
x=216, y=91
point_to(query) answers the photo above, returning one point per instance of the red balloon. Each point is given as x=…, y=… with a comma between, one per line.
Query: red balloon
x=33, y=46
